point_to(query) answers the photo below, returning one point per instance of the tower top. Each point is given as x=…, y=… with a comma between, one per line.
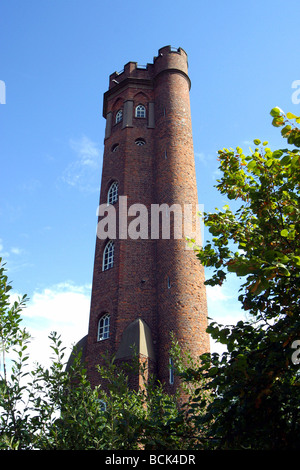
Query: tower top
x=169, y=59
x=166, y=57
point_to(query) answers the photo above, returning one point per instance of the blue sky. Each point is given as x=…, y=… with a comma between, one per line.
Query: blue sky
x=55, y=59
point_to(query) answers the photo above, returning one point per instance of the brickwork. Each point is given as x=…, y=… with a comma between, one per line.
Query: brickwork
x=156, y=280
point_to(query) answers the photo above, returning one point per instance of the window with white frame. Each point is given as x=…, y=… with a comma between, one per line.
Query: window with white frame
x=112, y=195
x=140, y=141
x=140, y=111
x=103, y=406
x=119, y=116
x=103, y=327
x=115, y=148
x=171, y=371
x=108, y=256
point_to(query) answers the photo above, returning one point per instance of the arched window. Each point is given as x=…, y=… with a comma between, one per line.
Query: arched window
x=108, y=256
x=103, y=406
x=171, y=371
x=119, y=116
x=114, y=147
x=112, y=195
x=140, y=111
x=103, y=327
x=140, y=141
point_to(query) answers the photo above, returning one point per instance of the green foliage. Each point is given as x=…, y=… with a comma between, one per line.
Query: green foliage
x=255, y=384
x=13, y=422
x=57, y=409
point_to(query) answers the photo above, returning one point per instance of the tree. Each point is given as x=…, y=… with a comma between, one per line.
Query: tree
x=57, y=409
x=13, y=419
x=256, y=382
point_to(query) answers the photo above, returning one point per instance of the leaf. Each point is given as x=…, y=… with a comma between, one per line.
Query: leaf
x=284, y=233
x=285, y=160
x=251, y=165
x=256, y=141
x=283, y=270
x=286, y=130
x=290, y=116
x=275, y=112
x=296, y=259
x=259, y=286
x=213, y=371
x=278, y=121
x=277, y=154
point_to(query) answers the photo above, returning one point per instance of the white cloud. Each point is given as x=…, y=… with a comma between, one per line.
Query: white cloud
x=87, y=151
x=223, y=304
x=16, y=251
x=223, y=308
x=247, y=142
x=63, y=308
x=3, y=254
x=217, y=293
x=82, y=173
x=201, y=156
x=216, y=174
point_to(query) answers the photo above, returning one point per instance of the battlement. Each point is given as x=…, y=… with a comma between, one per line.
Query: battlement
x=170, y=50
x=131, y=70
x=168, y=58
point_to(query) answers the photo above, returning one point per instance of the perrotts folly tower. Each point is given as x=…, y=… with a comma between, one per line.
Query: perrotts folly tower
x=146, y=283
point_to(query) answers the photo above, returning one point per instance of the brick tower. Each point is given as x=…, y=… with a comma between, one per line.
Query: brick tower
x=146, y=284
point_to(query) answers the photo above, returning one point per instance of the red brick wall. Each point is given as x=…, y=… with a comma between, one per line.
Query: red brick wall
x=181, y=308
x=162, y=171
